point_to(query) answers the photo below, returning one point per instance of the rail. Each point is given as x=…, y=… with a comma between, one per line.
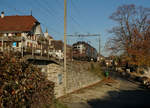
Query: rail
x=32, y=53
x=14, y=38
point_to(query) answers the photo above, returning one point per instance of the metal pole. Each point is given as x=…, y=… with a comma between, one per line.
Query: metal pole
x=2, y=44
x=99, y=44
x=48, y=50
x=22, y=46
x=41, y=49
x=65, y=15
x=32, y=48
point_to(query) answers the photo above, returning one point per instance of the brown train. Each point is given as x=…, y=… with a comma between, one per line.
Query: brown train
x=84, y=51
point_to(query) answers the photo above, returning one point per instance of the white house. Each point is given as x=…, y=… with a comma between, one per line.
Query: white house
x=57, y=50
x=19, y=31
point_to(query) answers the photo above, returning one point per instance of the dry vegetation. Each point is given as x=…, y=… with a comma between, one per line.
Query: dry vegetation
x=131, y=35
x=23, y=85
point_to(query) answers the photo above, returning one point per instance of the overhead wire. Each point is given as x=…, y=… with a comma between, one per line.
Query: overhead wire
x=46, y=13
x=75, y=8
x=73, y=19
x=58, y=19
x=77, y=16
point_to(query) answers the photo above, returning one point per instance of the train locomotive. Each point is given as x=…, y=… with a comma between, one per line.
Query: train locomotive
x=84, y=51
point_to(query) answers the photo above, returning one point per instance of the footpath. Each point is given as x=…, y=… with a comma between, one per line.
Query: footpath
x=109, y=93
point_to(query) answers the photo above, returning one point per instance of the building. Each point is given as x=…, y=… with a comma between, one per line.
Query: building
x=57, y=50
x=19, y=32
x=69, y=53
x=48, y=37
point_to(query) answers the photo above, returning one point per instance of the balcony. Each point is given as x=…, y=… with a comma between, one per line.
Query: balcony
x=12, y=38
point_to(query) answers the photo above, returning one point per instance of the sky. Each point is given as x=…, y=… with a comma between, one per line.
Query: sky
x=83, y=16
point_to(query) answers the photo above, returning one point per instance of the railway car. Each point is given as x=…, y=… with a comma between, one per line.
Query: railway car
x=84, y=51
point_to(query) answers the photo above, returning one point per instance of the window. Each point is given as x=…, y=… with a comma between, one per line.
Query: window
x=1, y=34
x=17, y=44
x=14, y=44
x=18, y=34
x=28, y=44
x=75, y=47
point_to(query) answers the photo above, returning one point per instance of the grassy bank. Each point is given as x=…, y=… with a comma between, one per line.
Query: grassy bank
x=97, y=69
x=59, y=104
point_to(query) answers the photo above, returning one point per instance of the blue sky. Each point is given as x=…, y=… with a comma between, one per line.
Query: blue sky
x=84, y=16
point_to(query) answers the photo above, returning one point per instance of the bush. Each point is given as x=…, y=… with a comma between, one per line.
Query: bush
x=97, y=69
x=22, y=84
x=58, y=104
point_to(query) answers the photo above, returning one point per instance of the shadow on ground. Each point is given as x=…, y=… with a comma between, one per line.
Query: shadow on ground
x=123, y=99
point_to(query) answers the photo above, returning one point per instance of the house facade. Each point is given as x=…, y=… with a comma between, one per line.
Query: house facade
x=57, y=49
x=19, y=32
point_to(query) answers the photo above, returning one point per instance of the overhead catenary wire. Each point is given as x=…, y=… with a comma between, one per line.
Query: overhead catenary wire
x=46, y=14
x=53, y=13
x=73, y=18
x=75, y=8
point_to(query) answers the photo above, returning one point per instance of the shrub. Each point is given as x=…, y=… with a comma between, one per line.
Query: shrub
x=59, y=104
x=97, y=69
x=22, y=84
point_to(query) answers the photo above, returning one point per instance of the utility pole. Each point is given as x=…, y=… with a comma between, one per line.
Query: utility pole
x=99, y=45
x=65, y=61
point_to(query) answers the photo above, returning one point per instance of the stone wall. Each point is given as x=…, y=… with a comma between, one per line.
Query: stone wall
x=54, y=73
x=78, y=76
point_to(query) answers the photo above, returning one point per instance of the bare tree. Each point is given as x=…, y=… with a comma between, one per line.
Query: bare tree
x=128, y=18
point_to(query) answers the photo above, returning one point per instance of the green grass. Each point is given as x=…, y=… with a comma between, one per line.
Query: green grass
x=96, y=69
x=58, y=104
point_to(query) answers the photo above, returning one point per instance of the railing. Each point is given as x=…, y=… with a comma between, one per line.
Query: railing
x=24, y=51
x=13, y=38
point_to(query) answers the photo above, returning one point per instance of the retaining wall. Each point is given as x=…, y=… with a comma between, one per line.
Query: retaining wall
x=78, y=77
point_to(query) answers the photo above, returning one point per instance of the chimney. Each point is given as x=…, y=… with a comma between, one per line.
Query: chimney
x=2, y=14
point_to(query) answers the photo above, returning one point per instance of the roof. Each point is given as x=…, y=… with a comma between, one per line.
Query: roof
x=50, y=37
x=17, y=23
x=82, y=43
x=58, y=44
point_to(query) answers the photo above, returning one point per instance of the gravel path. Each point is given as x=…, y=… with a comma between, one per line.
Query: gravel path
x=110, y=93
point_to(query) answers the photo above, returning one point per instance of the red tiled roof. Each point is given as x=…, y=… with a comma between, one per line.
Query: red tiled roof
x=58, y=44
x=50, y=37
x=17, y=23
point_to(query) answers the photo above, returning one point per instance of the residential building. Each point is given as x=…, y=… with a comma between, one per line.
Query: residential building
x=48, y=37
x=57, y=50
x=49, y=42
x=19, y=32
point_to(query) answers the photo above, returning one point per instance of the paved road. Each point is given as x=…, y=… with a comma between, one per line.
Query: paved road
x=112, y=93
